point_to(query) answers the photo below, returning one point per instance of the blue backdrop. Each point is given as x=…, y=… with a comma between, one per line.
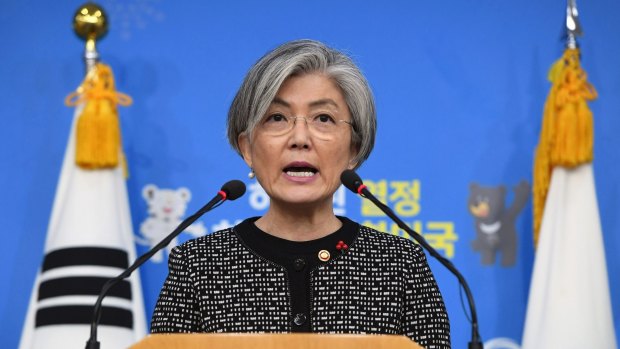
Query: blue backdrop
x=459, y=85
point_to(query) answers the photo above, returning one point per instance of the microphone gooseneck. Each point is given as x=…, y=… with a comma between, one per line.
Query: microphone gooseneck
x=231, y=190
x=353, y=182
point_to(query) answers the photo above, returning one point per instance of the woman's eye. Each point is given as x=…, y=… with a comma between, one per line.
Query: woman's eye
x=276, y=118
x=324, y=118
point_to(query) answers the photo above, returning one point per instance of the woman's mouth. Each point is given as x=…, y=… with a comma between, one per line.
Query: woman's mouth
x=300, y=171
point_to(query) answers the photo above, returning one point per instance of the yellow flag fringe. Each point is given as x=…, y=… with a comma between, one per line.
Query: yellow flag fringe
x=98, y=136
x=567, y=134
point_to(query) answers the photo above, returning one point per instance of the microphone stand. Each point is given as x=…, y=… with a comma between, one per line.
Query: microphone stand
x=475, y=342
x=92, y=342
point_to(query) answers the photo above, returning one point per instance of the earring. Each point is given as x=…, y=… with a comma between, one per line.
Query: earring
x=251, y=175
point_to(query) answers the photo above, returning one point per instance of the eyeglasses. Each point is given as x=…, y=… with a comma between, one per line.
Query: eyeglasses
x=323, y=125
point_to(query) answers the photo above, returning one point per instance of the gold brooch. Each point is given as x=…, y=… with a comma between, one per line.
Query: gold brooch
x=324, y=255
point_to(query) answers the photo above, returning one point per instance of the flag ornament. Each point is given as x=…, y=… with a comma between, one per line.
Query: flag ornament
x=567, y=135
x=98, y=131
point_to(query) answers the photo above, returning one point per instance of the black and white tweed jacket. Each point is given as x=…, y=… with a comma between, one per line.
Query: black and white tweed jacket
x=381, y=285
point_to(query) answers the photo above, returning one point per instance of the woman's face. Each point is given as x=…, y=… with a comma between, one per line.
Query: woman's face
x=303, y=165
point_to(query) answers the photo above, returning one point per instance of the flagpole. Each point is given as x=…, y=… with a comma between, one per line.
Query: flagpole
x=573, y=26
x=90, y=23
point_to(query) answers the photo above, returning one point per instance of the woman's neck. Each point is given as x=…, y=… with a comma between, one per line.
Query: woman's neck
x=299, y=223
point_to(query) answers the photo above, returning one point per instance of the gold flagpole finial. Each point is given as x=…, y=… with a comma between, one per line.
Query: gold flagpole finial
x=90, y=23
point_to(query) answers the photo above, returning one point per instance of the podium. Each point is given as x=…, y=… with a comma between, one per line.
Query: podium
x=274, y=341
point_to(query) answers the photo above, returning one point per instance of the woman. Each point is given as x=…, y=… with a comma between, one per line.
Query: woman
x=303, y=114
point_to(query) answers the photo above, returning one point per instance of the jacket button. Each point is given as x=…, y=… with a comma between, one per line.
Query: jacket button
x=299, y=319
x=299, y=264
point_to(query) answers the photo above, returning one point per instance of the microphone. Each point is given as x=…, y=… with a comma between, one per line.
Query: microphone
x=353, y=182
x=231, y=190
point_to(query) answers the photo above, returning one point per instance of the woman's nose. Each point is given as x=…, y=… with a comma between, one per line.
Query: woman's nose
x=300, y=135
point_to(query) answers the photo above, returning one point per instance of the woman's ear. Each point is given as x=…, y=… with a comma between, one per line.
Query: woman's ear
x=352, y=157
x=245, y=148
x=352, y=164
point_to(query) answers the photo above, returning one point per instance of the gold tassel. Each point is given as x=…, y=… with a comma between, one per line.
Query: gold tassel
x=98, y=139
x=567, y=134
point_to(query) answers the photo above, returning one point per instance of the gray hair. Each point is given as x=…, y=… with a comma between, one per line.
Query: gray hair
x=264, y=79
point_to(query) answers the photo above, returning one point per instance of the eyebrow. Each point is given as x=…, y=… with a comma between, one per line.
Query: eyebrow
x=317, y=103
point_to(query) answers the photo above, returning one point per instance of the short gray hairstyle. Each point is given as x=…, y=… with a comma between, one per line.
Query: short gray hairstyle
x=299, y=57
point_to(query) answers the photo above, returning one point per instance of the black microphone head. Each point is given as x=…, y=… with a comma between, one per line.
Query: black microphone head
x=234, y=189
x=351, y=180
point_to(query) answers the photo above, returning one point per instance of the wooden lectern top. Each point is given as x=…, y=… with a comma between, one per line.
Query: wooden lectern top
x=274, y=341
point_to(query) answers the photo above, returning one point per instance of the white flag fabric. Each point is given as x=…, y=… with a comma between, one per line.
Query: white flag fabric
x=569, y=304
x=89, y=240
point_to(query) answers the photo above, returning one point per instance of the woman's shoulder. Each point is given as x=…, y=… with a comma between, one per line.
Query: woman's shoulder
x=384, y=240
x=223, y=240
x=215, y=240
